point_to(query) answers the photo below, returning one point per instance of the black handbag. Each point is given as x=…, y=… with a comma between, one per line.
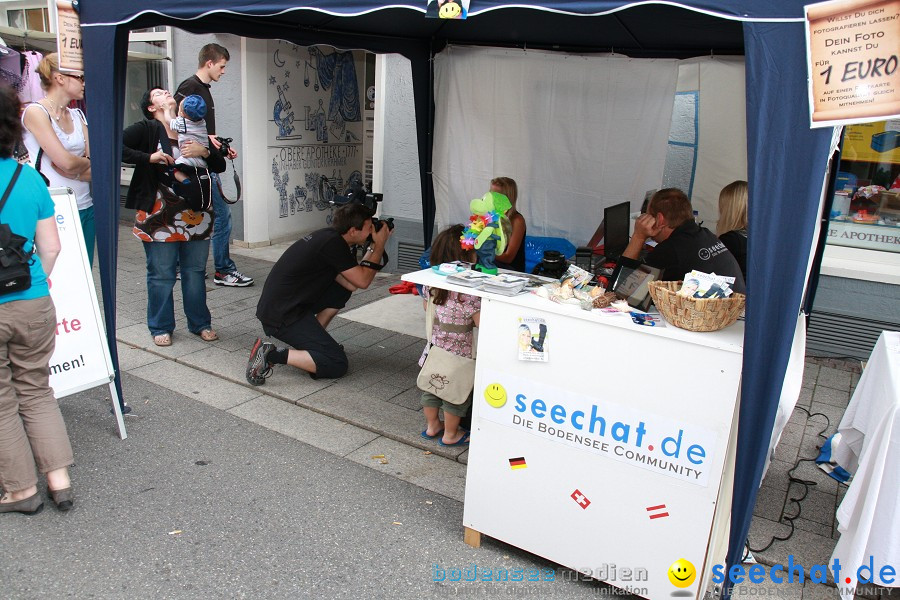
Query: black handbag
x=15, y=263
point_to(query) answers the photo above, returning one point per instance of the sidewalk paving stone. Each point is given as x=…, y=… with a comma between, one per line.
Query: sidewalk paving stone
x=205, y=387
x=304, y=425
x=288, y=383
x=131, y=358
x=834, y=378
x=828, y=395
x=770, y=502
x=430, y=471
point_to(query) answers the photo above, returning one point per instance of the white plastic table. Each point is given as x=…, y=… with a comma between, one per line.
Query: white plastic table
x=869, y=516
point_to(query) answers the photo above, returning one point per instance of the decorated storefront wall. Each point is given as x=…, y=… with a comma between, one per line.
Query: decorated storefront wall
x=315, y=132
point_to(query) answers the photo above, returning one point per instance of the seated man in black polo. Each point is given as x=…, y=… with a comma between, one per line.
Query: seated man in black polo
x=681, y=244
x=307, y=287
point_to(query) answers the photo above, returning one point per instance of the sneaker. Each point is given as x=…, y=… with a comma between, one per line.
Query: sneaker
x=232, y=279
x=178, y=274
x=258, y=367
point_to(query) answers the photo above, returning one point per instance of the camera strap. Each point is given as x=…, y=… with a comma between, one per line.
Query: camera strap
x=237, y=185
x=370, y=265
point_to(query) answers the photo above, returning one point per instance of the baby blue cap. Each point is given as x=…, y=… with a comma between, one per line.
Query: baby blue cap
x=194, y=107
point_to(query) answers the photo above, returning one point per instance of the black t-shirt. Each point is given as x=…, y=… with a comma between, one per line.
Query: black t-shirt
x=736, y=242
x=692, y=247
x=518, y=261
x=193, y=85
x=301, y=275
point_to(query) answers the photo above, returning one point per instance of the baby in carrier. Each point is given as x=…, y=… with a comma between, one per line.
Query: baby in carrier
x=192, y=181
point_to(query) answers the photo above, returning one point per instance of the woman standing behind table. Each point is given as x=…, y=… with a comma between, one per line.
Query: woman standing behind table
x=58, y=136
x=732, y=227
x=513, y=258
x=27, y=340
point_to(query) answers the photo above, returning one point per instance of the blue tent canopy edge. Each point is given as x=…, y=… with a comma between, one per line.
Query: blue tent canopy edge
x=786, y=159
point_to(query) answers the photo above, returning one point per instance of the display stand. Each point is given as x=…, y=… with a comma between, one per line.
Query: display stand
x=81, y=359
x=612, y=452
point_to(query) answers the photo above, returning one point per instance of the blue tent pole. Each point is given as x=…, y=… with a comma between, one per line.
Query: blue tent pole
x=105, y=85
x=423, y=96
x=785, y=160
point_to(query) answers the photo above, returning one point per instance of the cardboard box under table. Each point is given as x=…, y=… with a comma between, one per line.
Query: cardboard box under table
x=615, y=456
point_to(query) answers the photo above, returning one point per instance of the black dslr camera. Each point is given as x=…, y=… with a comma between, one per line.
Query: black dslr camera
x=225, y=148
x=356, y=192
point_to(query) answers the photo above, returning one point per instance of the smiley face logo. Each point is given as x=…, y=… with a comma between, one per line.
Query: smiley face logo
x=682, y=573
x=495, y=395
x=449, y=10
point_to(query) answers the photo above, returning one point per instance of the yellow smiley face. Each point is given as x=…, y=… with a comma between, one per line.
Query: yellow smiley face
x=450, y=10
x=495, y=395
x=682, y=573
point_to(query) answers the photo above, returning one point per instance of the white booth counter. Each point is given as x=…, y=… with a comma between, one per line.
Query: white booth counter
x=607, y=448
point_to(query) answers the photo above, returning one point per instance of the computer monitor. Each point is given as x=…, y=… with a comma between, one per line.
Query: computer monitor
x=617, y=224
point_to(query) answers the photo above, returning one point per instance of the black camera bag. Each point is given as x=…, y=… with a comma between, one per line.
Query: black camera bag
x=15, y=263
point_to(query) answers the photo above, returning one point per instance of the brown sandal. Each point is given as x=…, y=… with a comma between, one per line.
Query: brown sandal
x=163, y=339
x=208, y=335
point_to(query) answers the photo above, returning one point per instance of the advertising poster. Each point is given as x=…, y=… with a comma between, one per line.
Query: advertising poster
x=532, y=341
x=877, y=142
x=853, y=49
x=68, y=37
x=81, y=360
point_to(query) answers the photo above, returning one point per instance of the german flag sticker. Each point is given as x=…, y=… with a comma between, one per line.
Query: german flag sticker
x=517, y=463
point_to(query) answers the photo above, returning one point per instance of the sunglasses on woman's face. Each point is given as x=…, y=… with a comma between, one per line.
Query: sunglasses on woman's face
x=78, y=77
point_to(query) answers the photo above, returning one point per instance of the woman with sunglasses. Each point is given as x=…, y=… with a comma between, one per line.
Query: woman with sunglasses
x=56, y=137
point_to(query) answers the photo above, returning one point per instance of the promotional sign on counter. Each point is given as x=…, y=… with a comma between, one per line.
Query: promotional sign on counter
x=853, y=54
x=615, y=459
x=612, y=453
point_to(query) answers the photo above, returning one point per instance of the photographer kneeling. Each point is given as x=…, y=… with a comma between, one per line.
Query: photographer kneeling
x=307, y=287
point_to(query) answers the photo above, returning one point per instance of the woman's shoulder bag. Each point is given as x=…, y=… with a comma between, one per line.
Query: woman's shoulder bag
x=15, y=263
x=446, y=375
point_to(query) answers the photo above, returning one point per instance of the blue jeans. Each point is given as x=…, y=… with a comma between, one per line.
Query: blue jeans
x=221, y=235
x=162, y=257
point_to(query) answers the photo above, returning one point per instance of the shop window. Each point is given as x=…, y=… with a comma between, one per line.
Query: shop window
x=866, y=209
x=149, y=65
x=34, y=19
x=681, y=156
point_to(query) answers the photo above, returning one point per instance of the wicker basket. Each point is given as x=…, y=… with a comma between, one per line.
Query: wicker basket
x=695, y=314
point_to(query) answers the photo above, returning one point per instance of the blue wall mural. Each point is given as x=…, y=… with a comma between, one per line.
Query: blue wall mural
x=315, y=138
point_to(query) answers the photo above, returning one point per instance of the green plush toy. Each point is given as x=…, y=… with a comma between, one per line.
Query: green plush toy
x=488, y=229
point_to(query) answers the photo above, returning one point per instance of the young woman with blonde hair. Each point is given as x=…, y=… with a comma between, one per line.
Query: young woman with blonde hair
x=732, y=226
x=513, y=257
x=56, y=137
